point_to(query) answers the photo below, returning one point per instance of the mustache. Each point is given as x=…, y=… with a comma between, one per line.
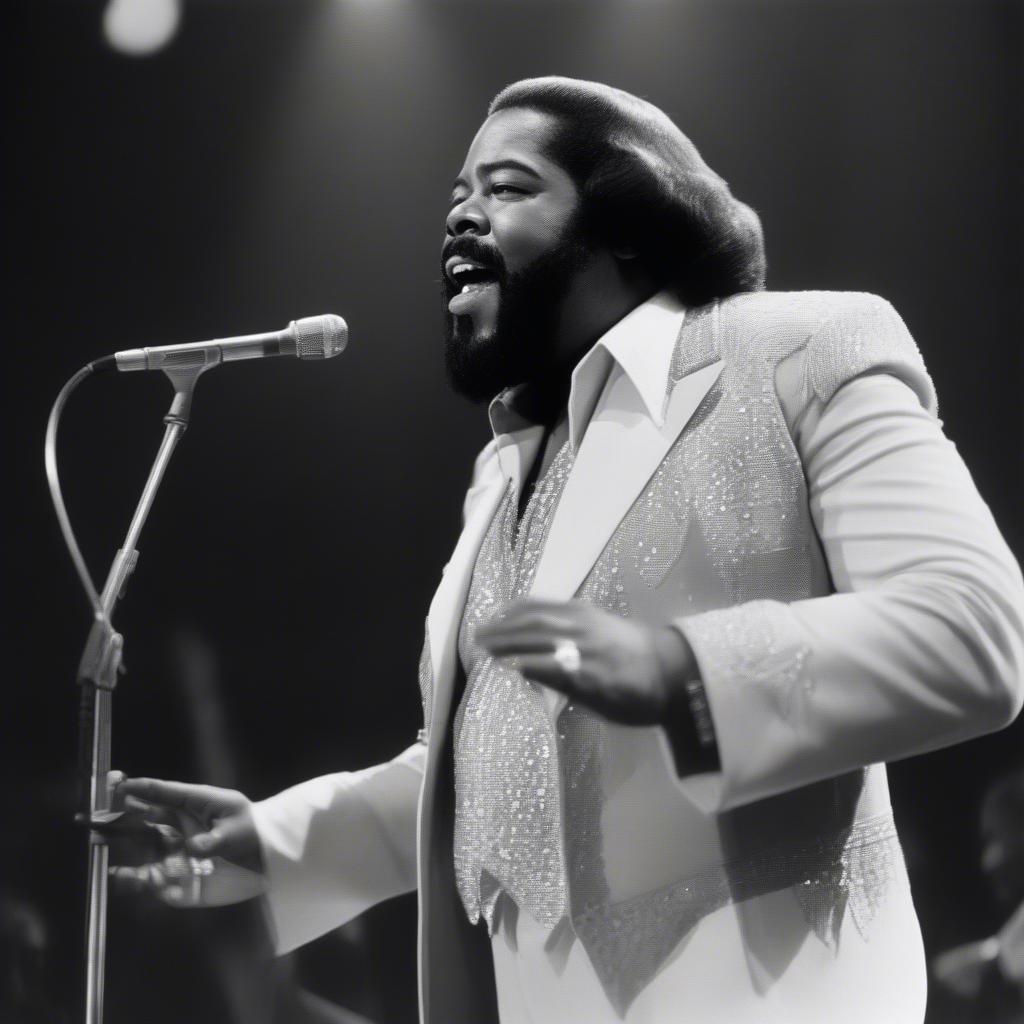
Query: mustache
x=472, y=248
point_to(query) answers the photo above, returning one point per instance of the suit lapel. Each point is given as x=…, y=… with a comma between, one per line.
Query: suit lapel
x=620, y=451
x=450, y=597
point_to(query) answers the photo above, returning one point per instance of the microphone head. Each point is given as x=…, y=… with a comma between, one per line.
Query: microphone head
x=319, y=337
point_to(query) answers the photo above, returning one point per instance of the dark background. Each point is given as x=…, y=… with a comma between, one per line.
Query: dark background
x=285, y=159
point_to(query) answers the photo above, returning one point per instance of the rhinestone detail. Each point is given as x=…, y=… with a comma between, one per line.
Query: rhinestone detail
x=508, y=822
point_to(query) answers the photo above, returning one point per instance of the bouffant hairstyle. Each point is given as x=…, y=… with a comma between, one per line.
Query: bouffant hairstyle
x=643, y=183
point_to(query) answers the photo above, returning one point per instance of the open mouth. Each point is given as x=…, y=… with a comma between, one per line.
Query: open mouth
x=473, y=278
x=467, y=274
x=470, y=279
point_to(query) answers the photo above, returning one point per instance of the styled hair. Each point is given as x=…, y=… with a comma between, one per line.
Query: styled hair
x=643, y=183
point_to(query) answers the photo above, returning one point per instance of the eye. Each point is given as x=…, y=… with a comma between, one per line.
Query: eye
x=506, y=188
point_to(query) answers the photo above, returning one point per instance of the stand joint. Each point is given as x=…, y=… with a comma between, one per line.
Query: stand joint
x=101, y=662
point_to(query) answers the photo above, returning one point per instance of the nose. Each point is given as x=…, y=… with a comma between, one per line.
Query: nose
x=466, y=217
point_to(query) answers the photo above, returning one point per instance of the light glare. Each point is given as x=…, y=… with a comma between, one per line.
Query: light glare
x=139, y=28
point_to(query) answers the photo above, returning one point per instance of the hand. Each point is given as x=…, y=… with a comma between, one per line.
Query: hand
x=207, y=853
x=629, y=672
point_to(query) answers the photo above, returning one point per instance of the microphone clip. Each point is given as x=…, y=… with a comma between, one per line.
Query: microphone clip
x=183, y=380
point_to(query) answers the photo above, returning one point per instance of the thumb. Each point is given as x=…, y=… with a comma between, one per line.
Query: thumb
x=233, y=838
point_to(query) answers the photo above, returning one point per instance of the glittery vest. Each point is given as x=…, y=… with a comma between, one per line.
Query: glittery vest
x=543, y=806
x=507, y=815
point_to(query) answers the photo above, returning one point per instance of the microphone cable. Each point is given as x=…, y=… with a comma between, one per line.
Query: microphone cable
x=53, y=480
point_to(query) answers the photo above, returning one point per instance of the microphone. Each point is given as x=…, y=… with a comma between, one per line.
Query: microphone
x=312, y=337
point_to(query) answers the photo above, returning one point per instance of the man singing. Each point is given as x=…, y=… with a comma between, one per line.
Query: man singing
x=718, y=565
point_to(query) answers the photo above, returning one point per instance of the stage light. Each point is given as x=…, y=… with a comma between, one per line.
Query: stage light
x=139, y=28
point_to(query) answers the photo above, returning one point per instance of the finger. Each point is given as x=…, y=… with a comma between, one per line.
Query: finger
x=175, y=867
x=535, y=606
x=114, y=779
x=168, y=835
x=522, y=642
x=544, y=669
x=540, y=624
x=230, y=883
x=231, y=838
x=185, y=796
x=128, y=879
x=152, y=814
x=131, y=825
x=541, y=618
x=134, y=804
x=143, y=878
x=541, y=605
x=168, y=883
x=174, y=894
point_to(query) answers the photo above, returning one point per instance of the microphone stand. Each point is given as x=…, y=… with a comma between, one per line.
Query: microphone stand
x=98, y=672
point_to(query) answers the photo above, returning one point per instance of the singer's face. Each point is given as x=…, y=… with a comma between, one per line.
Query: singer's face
x=511, y=252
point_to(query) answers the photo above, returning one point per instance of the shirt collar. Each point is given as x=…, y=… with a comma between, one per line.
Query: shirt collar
x=641, y=343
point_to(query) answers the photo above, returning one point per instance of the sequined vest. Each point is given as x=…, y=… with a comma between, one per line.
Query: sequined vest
x=507, y=817
x=725, y=519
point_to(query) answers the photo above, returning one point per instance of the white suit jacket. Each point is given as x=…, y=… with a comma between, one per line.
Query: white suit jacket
x=910, y=636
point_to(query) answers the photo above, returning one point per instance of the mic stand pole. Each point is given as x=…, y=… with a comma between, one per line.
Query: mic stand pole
x=97, y=676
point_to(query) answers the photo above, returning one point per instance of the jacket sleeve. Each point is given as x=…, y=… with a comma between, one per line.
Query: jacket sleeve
x=335, y=846
x=922, y=644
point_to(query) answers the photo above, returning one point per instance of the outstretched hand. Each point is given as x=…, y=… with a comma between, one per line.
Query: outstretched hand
x=203, y=849
x=628, y=672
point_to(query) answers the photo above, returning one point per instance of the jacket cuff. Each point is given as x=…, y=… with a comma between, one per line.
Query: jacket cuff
x=688, y=725
x=752, y=661
x=336, y=845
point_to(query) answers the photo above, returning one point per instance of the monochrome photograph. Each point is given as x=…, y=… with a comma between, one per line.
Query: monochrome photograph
x=516, y=512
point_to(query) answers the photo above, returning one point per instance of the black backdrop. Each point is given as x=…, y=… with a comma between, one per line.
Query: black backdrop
x=283, y=159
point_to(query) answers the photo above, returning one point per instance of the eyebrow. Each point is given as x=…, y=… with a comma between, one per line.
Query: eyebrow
x=501, y=165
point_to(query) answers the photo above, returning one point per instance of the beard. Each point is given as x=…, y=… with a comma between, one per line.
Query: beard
x=521, y=347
